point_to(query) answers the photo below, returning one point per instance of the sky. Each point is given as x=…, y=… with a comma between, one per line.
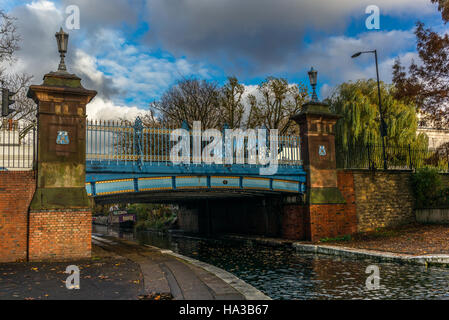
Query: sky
x=131, y=51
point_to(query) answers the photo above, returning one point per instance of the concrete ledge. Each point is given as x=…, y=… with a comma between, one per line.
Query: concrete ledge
x=438, y=259
x=247, y=290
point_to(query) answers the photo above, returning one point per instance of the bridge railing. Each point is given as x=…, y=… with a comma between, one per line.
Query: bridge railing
x=109, y=141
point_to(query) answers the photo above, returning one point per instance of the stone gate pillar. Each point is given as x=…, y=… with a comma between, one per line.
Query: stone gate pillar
x=323, y=214
x=60, y=219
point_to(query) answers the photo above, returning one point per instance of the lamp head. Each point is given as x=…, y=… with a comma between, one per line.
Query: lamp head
x=62, y=40
x=313, y=76
x=355, y=55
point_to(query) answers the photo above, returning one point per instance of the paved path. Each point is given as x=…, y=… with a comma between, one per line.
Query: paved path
x=105, y=276
x=165, y=274
x=118, y=269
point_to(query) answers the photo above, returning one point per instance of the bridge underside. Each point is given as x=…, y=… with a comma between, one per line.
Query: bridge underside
x=185, y=196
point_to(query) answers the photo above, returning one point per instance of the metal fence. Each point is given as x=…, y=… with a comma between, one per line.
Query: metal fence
x=122, y=142
x=370, y=156
x=109, y=141
x=17, y=146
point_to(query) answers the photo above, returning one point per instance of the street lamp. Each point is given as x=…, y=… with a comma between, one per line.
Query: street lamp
x=62, y=39
x=383, y=126
x=313, y=76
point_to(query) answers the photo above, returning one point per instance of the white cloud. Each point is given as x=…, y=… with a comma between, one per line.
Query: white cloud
x=87, y=65
x=101, y=109
x=42, y=6
x=136, y=71
x=332, y=56
x=325, y=91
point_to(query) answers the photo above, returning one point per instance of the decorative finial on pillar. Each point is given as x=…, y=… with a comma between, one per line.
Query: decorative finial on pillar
x=313, y=75
x=62, y=39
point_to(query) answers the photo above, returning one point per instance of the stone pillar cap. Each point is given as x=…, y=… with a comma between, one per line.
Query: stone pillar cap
x=61, y=81
x=315, y=109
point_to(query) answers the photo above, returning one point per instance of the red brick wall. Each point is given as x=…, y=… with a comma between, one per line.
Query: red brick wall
x=316, y=222
x=330, y=221
x=45, y=235
x=56, y=235
x=16, y=192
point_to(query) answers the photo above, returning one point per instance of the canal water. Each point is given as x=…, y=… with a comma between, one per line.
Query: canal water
x=283, y=273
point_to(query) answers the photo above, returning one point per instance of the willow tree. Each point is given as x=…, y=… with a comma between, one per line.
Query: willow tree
x=357, y=103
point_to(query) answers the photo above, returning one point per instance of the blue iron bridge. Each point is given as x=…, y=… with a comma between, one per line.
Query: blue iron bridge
x=131, y=162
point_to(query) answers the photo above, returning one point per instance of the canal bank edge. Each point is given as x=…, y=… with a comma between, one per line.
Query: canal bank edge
x=247, y=290
x=428, y=260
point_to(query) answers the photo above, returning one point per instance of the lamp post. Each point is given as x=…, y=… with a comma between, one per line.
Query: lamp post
x=62, y=39
x=313, y=76
x=383, y=126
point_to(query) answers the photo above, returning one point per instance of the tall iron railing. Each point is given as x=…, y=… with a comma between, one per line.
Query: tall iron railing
x=404, y=157
x=109, y=141
x=18, y=146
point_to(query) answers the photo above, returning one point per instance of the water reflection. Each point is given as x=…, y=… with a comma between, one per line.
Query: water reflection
x=282, y=273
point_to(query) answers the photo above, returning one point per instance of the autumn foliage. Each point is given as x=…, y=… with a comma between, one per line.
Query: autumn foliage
x=426, y=84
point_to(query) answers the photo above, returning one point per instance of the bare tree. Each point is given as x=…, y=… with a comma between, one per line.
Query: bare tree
x=150, y=120
x=231, y=103
x=275, y=102
x=190, y=100
x=24, y=108
x=194, y=100
x=9, y=38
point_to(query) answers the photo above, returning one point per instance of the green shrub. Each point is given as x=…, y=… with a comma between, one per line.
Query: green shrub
x=444, y=196
x=427, y=187
x=100, y=210
x=152, y=216
x=140, y=225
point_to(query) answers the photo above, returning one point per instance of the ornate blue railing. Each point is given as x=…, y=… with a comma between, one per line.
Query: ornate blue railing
x=137, y=145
